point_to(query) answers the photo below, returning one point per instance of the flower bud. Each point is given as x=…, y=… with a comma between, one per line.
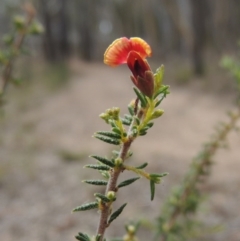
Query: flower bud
x=111, y=195
x=157, y=113
x=118, y=162
x=104, y=116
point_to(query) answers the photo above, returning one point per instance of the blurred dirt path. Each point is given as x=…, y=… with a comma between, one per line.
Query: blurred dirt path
x=39, y=189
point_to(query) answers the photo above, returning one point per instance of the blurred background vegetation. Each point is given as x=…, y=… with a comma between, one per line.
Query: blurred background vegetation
x=186, y=28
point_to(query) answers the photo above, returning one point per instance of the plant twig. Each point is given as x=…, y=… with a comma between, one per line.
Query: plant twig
x=112, y=183
x=7, y=71
x=198, y=168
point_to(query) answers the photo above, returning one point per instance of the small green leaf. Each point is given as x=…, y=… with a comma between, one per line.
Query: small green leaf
x=141, y=97
x=158, y=77
x=143, y=130
x=112, y=123
x=82, y=237
x=102, y=197
x=159, y=175
x=158, y=102
x=108, y=140
x=150, y=124
x=109, y=134
x=143, y=133
x=98, y=167
x=134, y=131
x=163, y=90
x=156, y=178
x=126, y=121
x=131, y=110
x=142, y=166
x=127, y=182
x=98, y=237
x=116, y=213
x=103, y=160
x=86, y=207
x=152, y=189
x=128, y=117
x=137, y=120
x=96, y=182
x=105, y=174
x=116, y=130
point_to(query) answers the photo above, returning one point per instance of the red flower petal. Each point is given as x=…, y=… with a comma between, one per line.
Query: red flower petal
x=137, y=65
x=141, y=47
x=142, y=74
x=118, y=51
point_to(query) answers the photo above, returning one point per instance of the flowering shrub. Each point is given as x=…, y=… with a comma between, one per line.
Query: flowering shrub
x=143, y=111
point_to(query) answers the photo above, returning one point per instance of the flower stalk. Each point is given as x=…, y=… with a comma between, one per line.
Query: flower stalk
x=112, y=183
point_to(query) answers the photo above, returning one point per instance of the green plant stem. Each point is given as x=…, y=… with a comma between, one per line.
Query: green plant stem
x=7, y=71
x=199, y=166
x=112, y=183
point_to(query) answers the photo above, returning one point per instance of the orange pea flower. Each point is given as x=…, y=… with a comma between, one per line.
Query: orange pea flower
x=118, y=51
x=132, y=51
